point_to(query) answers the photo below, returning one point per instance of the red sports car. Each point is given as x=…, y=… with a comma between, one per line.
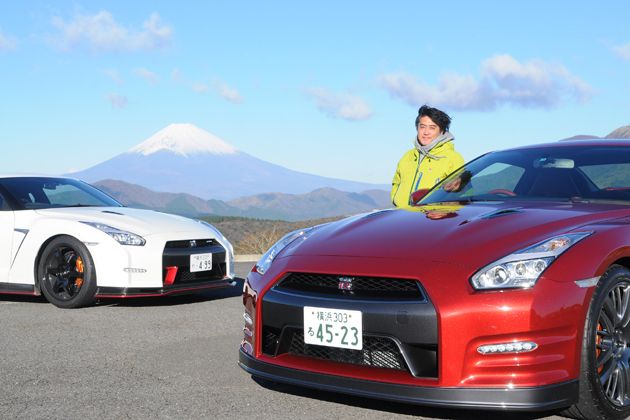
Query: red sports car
x=506, y=286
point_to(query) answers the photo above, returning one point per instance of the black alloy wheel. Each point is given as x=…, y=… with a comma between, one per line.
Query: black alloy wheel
x=612, y=345
x=66, y=273
x=605, y=377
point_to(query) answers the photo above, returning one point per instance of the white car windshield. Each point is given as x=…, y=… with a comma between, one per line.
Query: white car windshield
x=45, y=192
x=569, y=173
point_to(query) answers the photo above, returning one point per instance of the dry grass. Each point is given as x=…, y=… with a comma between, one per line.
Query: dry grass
x=256, y=236
x=259, y=240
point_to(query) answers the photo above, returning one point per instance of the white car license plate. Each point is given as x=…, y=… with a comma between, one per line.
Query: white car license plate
x=200, y=262
x=333, y=328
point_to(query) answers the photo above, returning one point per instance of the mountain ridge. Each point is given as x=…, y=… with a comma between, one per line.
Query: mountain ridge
x=619, y=133
x=183, y=158
x=325, y=202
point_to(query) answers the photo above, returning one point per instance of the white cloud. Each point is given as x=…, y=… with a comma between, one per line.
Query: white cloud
x=220, y=88
x=7, y=43
x=622, y=50
x=116, y=100
x=534, y=83
x=113, y=74
x=340, y=105
x=177, y=76
x=199, y=87
x=503, y=80
x=464, y=91
x=151, y=78
x=226, y=92
x=100, y=33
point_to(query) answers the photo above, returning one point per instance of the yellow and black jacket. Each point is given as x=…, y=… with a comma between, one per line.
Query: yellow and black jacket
x=413, y=174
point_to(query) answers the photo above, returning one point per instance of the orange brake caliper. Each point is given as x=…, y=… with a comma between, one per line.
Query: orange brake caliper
x=79, y=281
x=598, y=340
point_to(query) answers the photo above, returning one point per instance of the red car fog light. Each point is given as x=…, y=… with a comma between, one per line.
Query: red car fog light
x=247, y=348
x=516, y=347
x=247, y=331
x=247, y=318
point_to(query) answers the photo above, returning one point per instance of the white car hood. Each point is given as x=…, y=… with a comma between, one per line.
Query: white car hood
x=140, y=222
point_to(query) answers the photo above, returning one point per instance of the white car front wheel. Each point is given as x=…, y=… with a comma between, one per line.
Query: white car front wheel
x=66, y=273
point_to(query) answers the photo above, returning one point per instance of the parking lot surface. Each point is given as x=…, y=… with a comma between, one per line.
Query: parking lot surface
x=160, y=358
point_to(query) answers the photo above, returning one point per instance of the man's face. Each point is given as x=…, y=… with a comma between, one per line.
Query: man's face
x=427, y=131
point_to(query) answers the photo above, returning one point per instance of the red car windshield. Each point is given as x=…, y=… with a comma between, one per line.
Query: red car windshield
x=570, y=173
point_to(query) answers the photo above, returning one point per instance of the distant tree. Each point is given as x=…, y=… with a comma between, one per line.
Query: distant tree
x=259, y=240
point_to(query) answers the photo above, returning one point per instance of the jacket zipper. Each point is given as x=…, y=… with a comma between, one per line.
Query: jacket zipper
x=414, y=179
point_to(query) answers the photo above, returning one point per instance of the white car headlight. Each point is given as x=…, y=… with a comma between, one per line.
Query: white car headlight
x=121, y=236
x=523, y=268
x=265, y=262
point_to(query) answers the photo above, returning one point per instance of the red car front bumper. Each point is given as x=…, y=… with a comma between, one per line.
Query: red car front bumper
x=551, y=315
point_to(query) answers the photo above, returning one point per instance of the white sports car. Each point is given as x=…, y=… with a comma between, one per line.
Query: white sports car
x=71, y=242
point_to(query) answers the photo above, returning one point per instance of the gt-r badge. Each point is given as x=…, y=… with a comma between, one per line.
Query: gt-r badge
x=193, y=244
x=345, y=283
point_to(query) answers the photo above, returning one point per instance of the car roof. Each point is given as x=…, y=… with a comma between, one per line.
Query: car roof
x=573, y=143
x=8, y=175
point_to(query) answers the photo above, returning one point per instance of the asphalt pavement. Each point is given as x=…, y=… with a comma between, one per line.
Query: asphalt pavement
x=160, y=358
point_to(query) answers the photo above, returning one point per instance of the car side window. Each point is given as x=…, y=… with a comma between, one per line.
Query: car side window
x=497, y=176
x=609, y=176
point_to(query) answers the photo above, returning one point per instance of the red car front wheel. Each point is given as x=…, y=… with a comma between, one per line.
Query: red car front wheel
x=605, y=378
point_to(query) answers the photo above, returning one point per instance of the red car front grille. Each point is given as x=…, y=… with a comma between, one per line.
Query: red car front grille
x=358, y=285
x=377, y=351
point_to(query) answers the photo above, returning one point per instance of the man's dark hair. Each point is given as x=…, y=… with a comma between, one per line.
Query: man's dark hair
x=441, y=118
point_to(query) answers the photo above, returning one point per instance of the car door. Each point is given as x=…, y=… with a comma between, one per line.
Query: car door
x=6, y=239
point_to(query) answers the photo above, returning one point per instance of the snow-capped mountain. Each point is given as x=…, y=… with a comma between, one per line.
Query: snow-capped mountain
x=182, y=158
x=185, y=140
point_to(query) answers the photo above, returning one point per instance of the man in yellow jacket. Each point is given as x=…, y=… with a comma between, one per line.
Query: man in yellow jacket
x=433, y=158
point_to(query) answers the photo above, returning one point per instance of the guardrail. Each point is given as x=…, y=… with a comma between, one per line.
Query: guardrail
x=247, y=258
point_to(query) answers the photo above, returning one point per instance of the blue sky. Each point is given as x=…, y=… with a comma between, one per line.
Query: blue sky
x=329, y=88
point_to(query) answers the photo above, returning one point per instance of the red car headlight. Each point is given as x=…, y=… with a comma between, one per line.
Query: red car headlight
x=265, y=262
x=523, y=268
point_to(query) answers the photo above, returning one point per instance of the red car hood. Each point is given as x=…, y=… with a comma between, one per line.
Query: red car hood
x=471, y=235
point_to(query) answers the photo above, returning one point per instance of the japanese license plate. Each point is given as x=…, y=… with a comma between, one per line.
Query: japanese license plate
x=200, y=262
x=333, y=328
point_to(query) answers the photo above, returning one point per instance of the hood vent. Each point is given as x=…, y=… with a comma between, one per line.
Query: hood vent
x=500, y=213
x=112, y=212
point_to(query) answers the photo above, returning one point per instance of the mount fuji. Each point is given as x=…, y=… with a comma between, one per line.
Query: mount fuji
x=182, y=158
